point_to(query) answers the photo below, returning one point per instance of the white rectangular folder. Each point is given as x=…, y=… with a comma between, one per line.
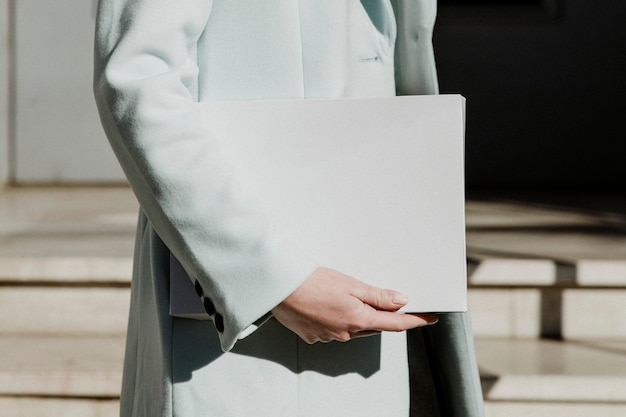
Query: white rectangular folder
x=372, y=187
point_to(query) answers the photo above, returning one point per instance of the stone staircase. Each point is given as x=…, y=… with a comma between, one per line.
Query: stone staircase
x=65, y=266
x=547, y=293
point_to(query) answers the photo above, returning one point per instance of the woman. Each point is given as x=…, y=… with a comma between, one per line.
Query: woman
x=154, y=59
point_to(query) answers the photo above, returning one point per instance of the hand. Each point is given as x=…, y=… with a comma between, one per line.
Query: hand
x=332, y=306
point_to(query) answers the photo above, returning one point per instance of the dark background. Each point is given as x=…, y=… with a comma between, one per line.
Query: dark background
x=545, y=82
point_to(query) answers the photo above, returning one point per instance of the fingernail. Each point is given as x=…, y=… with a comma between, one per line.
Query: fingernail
x=432, y=319
x=399, y=299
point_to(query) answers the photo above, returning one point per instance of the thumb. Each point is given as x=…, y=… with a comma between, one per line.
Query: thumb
x=382, y=299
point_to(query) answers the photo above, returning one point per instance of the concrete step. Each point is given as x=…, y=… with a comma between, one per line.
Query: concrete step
x=549, y=227
x=67, y=222
x=60, y=376
x=569, y=314
x=81, y=376
x=61, y=366
x=58, y=407
x=38, y=310
x=552, y=409
x=544, y=298
x=547, y=265
x=537, y=269
x=69, y=271
x=534, y=271
x=64, y=295
x=507, y=298
x=66, y=260
x=553, y=378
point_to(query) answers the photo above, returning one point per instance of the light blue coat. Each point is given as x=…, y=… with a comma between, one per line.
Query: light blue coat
x=153, y=60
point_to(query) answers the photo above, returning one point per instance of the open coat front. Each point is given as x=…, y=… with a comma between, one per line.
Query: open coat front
x=154, y=59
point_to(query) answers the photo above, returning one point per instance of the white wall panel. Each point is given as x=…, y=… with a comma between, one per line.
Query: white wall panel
x=58, y=133
x=4, y=91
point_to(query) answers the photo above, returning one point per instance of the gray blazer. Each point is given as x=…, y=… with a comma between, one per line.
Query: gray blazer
x=153, y=60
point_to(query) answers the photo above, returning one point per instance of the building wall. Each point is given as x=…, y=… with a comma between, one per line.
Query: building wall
x=58, y=137
x=4, y=91
x=545, y=83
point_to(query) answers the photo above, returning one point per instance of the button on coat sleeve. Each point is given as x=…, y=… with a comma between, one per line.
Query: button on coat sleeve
x=145, y=85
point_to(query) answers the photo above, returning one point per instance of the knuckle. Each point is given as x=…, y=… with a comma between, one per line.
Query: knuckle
x=369, y=321
x=400, y=324
x=359, y=324
x=343, y=337
x=339, y=336
x=399, y=327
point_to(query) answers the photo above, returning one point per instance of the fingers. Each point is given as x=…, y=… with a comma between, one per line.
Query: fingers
x=383, y=321
x=387, y=321
x=383, y=314
x=381, y=299
x=333, y=306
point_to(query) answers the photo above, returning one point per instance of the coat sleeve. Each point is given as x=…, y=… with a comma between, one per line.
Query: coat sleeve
x=415, y=60
x=145, y=84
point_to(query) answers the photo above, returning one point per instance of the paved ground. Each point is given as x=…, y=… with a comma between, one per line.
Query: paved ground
x=75, y=221
x=540, y=263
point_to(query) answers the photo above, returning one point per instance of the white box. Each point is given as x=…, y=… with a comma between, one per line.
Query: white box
x=372, y=187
